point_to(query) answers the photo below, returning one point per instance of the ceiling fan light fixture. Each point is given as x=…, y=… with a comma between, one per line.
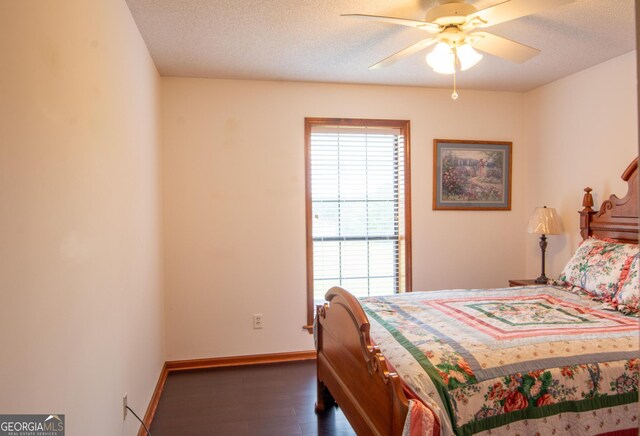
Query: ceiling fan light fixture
x=442, y=59
x=468, y=56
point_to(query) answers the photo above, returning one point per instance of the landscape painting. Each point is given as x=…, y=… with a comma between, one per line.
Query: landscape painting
x=472, y=175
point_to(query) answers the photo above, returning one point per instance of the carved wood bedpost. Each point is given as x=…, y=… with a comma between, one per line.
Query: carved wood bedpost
x=353, y=373
x=586, y=214
x=324, y=399
x=618, y=217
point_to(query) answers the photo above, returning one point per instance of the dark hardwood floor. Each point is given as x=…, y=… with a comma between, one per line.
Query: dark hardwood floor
x=273, y=399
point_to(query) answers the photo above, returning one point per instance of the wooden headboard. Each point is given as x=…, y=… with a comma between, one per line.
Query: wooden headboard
x=618, y=217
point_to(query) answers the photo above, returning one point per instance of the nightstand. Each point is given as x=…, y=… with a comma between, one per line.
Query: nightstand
x=523, y=282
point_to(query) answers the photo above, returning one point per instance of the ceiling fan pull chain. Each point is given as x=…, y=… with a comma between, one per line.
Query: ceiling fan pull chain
x=454, y=96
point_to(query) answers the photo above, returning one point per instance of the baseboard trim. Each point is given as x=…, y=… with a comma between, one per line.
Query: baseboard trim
x=155, y=399
x=215, y=362
x=255, y=359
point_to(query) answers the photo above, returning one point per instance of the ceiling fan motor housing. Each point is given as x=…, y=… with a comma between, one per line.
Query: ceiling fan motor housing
x=448, y=14
x=452, y=36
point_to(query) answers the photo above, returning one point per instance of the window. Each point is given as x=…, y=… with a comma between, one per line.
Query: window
x=358, y=207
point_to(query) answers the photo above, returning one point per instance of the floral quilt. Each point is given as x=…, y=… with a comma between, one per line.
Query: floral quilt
x=529, y=360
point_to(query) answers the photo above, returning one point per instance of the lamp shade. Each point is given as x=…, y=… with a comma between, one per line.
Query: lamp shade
x=544, y=221
x=442, y=59
x=468, y=56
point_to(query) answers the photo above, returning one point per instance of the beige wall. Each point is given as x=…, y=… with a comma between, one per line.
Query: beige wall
x=81, y=314
x=234, y=191
x=581, y=131
x=234, y=226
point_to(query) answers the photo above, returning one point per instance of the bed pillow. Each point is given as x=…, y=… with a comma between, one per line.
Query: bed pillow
x=596, y=267
x=628, y=296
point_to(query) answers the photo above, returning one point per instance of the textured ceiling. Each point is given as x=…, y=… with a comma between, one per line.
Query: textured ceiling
x=308, y=40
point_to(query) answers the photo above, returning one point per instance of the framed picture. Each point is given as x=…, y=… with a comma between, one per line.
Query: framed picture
x=471, y=175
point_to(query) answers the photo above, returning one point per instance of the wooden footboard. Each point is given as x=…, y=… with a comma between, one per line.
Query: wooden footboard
x=353, y=372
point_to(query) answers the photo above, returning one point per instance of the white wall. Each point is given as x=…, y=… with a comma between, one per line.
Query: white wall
x=580, y=131
x=81, y=314
x=234, y=196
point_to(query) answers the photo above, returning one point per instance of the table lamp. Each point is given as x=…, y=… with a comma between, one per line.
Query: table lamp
x=544, y=221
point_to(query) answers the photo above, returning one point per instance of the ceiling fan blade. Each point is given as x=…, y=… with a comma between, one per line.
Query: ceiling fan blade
x=512, y=9
x=502, y=47
x=432, y=27
x=412, y=49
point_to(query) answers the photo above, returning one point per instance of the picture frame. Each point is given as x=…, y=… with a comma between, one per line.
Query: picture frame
x=471, y=175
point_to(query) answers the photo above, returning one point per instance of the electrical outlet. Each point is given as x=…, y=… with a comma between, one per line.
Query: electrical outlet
x=257, y=320
x=124, y=406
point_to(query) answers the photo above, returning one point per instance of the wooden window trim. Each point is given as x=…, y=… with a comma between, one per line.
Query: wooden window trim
x=404, y=126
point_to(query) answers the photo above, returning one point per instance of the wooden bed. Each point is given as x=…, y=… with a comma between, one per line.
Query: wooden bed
x=354, y=373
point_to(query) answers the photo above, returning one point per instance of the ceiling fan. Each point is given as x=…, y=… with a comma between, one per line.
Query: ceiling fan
x=454, y=25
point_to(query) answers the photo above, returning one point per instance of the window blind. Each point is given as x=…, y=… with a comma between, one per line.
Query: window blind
x=357, y=203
